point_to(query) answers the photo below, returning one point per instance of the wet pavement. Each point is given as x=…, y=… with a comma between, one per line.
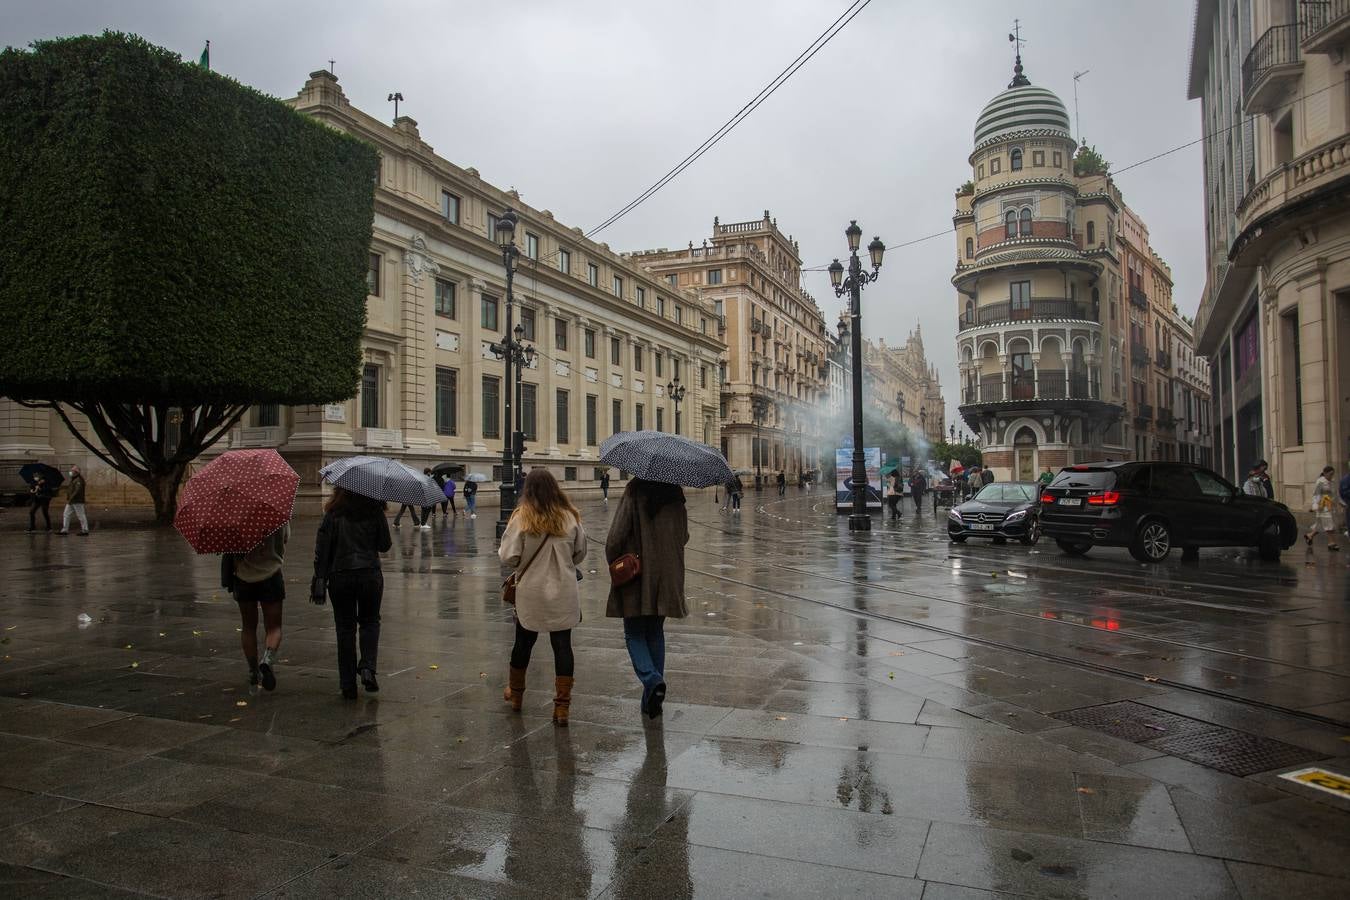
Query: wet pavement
x=881, y=716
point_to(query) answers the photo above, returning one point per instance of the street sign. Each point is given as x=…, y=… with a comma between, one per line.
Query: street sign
x=1331, y=782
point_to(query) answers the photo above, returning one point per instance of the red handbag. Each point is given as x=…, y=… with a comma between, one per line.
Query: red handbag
x=625, y=569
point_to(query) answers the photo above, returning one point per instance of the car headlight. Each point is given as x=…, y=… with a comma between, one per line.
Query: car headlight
x=1016, y=517
x=954, y=515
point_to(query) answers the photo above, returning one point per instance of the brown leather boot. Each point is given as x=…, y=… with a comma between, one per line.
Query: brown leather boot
x=562, y=699
x=515, y=688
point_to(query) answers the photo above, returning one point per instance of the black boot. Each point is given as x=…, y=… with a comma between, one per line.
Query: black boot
x=367, y=676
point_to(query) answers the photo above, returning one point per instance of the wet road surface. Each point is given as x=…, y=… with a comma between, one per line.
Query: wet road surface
x=880, y=716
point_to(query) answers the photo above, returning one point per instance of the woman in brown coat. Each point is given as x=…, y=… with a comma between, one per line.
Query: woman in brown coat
x=650, y=522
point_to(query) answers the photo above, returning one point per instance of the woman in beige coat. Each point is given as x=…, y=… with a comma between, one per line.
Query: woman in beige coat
x=543, y=544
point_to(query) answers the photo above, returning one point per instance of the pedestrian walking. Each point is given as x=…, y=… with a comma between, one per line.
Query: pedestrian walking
x=415, y=512
x=1046, y=477
x=41, y=491
x=471, y=498
x=75, y=503
x=440, y=478
x=917, y=485
x=543, y=544
x=735, y=489
x=1324, y=498
x=254, y=578
x=782, y=484
x=347, y=551
x=604, y=485
x=449, y=487
x=1258, y=481
x=897, y=490
x=986, y=476
x=651, y=523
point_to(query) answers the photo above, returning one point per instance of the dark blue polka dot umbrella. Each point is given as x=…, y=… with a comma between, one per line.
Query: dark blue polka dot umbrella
x=382, y=479
x=670, y=458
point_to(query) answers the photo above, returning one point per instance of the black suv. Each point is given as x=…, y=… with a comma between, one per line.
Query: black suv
x=1151, y=507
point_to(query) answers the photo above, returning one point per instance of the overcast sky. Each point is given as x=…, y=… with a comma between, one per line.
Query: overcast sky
x=581, y=105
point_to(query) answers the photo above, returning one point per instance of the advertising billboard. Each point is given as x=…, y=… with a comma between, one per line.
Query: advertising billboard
x=843, y=473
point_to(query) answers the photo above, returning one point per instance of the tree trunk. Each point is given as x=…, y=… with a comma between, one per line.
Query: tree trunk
x=163, y=486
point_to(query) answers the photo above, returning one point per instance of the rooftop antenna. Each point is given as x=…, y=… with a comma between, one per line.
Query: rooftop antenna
x=1015, y=38
x=1076, y=76
x=396, y=98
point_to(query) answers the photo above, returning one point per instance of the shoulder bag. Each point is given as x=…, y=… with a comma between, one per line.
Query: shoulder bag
x=629, y=566
x=318, y=585
x=509, y=585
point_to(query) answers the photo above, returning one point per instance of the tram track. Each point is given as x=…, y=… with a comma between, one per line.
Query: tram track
x=1006, y=646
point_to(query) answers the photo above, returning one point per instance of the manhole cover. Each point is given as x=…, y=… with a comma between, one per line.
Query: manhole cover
x=1131, y=721
x=1235, y=752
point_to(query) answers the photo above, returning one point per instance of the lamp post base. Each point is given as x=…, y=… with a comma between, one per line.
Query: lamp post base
x=859, y=522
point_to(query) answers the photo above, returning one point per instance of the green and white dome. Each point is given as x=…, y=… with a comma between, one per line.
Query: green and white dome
x=1022, y=107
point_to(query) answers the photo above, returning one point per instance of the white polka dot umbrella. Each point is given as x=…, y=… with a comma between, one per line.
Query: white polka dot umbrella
x=236, y=500
x=657, y=456
x=383, y=479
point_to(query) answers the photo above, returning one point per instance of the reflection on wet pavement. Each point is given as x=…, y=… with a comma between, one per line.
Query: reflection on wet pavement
x=885, y=715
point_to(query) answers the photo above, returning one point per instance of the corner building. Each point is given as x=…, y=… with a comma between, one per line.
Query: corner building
x=1038, y=269
x=776, y=390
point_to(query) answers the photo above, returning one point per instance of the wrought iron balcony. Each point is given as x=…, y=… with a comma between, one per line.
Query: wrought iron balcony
x=1143, y=412
x=1271, y=66
x=1046, y=384
x=1139, y=353
x=1164, y=359
x=1025, y=311
x=1324, y=25
x=1165, y=419
x=1138, y=297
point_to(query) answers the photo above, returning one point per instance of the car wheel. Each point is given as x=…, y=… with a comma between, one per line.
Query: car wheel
x=1033, y=533
x=1268, y=543
x=1152, y=542
x=957, y=538
x=1073, y=548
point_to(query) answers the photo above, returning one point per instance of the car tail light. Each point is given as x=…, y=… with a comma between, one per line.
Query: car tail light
x=1105, y=498
x=1047, y=498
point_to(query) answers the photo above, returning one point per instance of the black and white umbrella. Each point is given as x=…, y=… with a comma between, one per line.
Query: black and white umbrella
x=670, y=458
x=382, y=479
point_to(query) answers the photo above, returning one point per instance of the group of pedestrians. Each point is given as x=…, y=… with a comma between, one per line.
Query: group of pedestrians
x=41, y=492
x=734, y=489
x=544, y=545
x=448, y=488
x=915, y=486
x=1325, y=495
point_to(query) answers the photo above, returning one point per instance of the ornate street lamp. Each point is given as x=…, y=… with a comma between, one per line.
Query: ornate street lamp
x=759, y=409
x=853, y=285
x=515, y=356
x=900, y=403
x=676, y=392
x=953, y=432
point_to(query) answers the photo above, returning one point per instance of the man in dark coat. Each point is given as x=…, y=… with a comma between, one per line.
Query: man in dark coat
x=651, y=523
x=917, y=485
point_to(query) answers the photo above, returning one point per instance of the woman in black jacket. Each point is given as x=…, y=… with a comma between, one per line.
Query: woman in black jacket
x=347, y=551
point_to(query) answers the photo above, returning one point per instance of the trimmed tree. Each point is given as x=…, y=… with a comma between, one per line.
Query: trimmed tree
x=177, y=248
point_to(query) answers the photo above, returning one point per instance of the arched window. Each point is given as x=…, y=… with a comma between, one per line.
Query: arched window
x=970, y=313
x=1010, y=224
x=1025, y=228
x=970, y=248
x=1092, y=234
x=1015, y=160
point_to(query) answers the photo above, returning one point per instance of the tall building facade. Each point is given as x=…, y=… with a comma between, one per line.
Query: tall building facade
x=776, y=388
x=1039, y=339
x=610, y=336
x=1274, y=87
x=904, y=387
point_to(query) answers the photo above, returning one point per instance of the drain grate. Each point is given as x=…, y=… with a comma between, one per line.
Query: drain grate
x=1131, y=721
x=1235, y=752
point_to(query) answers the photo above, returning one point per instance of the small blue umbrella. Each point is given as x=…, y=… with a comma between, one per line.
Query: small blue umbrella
x=382, y=479
x=669, y=458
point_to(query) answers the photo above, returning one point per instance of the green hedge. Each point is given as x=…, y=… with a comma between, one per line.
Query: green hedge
x=169, y=234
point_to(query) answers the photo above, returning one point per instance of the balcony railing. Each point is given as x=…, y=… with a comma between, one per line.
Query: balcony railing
x=1138, y=297
x=1143, y=412
x=1324, y=24
x=1139, y=353
x=1046, y=384
x=1164, y=359
x=1166, y=419
x=1039, y=308
x=1273, y=59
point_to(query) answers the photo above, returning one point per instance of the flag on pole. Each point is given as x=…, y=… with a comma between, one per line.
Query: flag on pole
x=205, y=61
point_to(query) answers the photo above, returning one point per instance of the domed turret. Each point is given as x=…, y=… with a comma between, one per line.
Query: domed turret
x=1022, y=107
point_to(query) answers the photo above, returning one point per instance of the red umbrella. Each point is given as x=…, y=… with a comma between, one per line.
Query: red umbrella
x=236, y=500
x=956, y=467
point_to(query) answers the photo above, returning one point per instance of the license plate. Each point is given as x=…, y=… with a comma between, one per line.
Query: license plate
x=982, y=527
x=1070, y=501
